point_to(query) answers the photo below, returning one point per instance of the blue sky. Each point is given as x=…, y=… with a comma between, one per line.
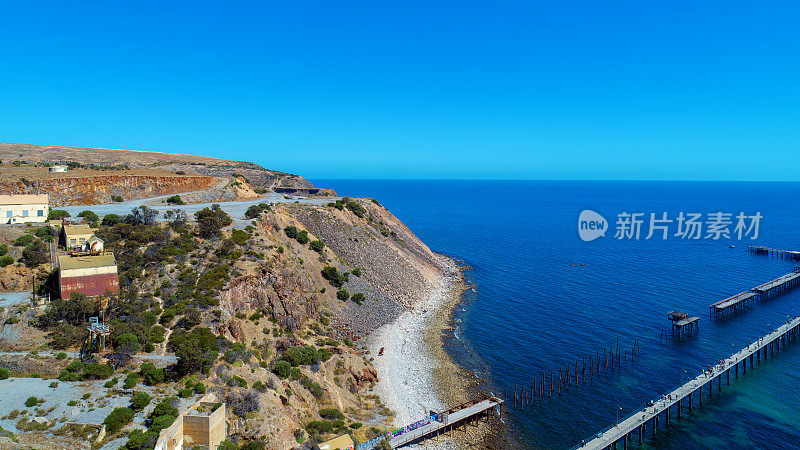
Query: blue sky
x=525, y=90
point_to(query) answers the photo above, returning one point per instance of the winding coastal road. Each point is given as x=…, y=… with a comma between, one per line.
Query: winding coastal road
x=235, y=209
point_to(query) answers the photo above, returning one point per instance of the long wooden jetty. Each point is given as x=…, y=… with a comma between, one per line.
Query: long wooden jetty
x=438, y=422
x=742, y=300
x=778, y=253
x=683, y=398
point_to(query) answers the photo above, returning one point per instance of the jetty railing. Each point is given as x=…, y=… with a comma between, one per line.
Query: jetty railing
x=639, y=421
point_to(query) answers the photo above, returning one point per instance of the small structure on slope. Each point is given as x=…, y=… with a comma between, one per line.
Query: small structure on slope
x=75, y=236
x=202, y=424
x=343, y=442
x=92, y=275
x=24, y=208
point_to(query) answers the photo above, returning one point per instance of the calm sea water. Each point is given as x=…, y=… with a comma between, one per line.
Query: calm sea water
x=537, y=307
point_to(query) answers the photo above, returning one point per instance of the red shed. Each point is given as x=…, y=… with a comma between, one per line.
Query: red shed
x=92, y=275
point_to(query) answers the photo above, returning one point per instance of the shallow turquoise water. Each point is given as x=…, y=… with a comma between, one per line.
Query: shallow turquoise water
x=534, y=311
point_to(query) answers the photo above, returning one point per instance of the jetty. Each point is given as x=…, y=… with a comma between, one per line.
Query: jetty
x=438, y=422
x=685, y=397
x=778, y=253
x=742, y=300
x=682, y=323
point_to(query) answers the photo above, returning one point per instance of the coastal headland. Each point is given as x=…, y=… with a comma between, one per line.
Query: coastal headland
x=327, y=315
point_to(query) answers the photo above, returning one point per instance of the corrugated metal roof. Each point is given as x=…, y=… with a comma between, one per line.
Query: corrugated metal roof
x=24, y=199
x=77, y=229
x=67, y=262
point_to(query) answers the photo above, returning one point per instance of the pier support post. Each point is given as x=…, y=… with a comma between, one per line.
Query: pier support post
x=680, y=406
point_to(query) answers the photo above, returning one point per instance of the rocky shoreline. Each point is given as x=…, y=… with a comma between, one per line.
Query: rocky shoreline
x=415, y=373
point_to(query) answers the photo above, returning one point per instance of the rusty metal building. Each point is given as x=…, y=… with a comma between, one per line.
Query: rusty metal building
x=92, y=275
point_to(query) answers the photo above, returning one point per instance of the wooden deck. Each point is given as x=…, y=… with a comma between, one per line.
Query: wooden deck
x=742, y=300
x=681, y=398
x=733, y=303
x=776, y=252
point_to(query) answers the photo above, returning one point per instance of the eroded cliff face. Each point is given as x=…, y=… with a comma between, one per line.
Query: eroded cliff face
x=271, y=291
x=99, y=189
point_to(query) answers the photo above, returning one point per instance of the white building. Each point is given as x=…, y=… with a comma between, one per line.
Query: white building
x=57, y=169
x=22, y=208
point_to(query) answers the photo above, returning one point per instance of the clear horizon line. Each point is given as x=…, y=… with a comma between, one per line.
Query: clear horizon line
x=673, y=180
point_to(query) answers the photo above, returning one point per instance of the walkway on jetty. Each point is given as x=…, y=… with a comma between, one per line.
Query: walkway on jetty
x=438, y=423
x=681, y=398
x=741, y=300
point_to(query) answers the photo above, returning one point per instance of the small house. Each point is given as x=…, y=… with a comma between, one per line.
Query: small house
x=75, y=236
x=91, y=275
x=24, y=208
x=57, y=169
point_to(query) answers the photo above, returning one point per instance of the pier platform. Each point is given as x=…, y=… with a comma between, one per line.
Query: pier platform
x=682, y=397
x=742, y=300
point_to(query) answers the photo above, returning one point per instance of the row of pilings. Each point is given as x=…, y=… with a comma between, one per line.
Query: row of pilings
x=572, y=376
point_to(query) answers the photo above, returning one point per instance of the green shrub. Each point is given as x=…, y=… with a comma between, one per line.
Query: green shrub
x=239, y=237
x=3, y=249
x=110, y=220
x=31, y=402
x=97, y=371
x=151, y=375
x=141, y=440
x=117, y=419
x=35, y=254
x=175, y=200
x=196, y=350
x=304, y=355
x=358, y=297
x=210, y=221
x=317, y=246
x=24, y=240
x=164, y=408
x=6, y=260
x=356, y=207
x=255, y=210
x=140, y=400
x=127, y=343
x=333, y=276
x=117, y=198
x=302, y=237
x=331, y=414
x=282, y=369
x=342, y=294
x=90, y=216
x=291, y=231
x=61, y=355
x=161, y=422
x=111, y=383
x=185, y=393
x=131, y=380
x=75, y=366
x=199, y=388
x=57, y=214
x=356, y=271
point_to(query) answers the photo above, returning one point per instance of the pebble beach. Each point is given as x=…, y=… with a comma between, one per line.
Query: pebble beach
x=415, y=374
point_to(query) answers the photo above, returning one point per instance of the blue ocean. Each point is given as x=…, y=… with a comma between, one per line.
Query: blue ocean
x=544, y=298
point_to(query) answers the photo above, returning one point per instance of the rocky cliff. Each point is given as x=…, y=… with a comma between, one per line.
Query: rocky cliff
x=257, y=176
x=87, y=190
